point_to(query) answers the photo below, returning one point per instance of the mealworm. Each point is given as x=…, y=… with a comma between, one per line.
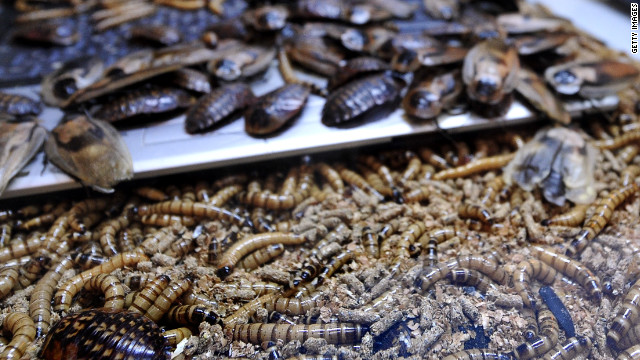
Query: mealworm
x=570, y=349
x=151, y=193
x=574, y=217
x=468, y=277
x=474, y=167
x=476, y=212
x=191, y=298
x=408, y=237
x=354, y=179
x=111, y=287
x=29, y=272
x=40, y=301
x=630, y=338
x=20, y=248
x=24, y=333
x=332, y=176
x=478, y=354
x=556, y=307
x=413, y=168
x=618, y=141
x=491, y=190
x=534, y=348
x=87, y=260
x=130, y=237
x=188, y=193
x=629, y=175
x=487, y=265
x=16, y=262
x=600, y=218
x=261, y=256
x=84, y=207
x=271, y=201
x=216, y=246
x=8, y=280
x=247, y=310
x=524, y=272
x=314, y=357
x=548, y=323
x=333, y=265
x=335, y=236
x=44, y=219
x=293, y=306
x=417, y=195
x=191, y=315
x=175, y=336
x=572, y=269
x=163, y=302
x=177, y=207
x=5, y=233
x=626, y=316
x=378, y=167
x=531, y=331
x=372, y=178
x=627, y=153
x=148, y=294
x=160, y=240
x=223, y=195
x=250, y=243
x=108, y=234
x=181, y=246
x=631, y=353
x=261, y=220
x=432, y=158
x=341, y=333
x=370, y=242
x=167, y=220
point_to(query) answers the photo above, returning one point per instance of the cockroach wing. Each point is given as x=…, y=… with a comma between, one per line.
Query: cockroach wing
x=533, y=161
x=19, y=142
x=90, y=150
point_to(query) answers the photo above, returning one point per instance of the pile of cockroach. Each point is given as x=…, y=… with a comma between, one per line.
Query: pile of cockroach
x=498, y=245
x=366, y=58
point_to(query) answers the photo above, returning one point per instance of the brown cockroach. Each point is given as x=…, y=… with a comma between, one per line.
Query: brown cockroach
x=626, y=316
x=151, y=100
x=190, y=79
x=475, y=166
x=274, y=110
x=108, y=18
x=316, y=54
x=19, y=142
x=468, y=277
x=442, y=9
x=572, y=269
x=372, y=93
x=474, y=211
x=40, y=301
x=600, y=218
x=198, y=209
x=144, y=298
x=244, y=62
x=355, y=68
x=574, y=217
x=535, y=91
x=19, y=105
x=369, y=40
x=340, y=333
x=24, y=333
x=267, y=17
x=591, y=79
x=261, y=256
x=427, y=97
x=475, y=354
x=250, y=243
x=162, y=35
x=617, y=142
x=571, y=348
x=164, y=301
x=524, y=272
x=487, y=265
x=217, y=106
x=111, y=287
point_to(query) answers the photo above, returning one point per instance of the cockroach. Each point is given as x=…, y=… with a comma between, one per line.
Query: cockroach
x=19, y=142
x=19, y=105
x=198, y=209
x=190, y=79
x=59, y=85
x=111, y=287
x=162, y=35
x=164, y=301
x=24, y=333
x=111, y=17
x=626, y=316
x=468, y=277
x=143, y=101
x=261, y=256
x=245, y=62
x=272, y=111
x=52, y=32
x=370, y=93
x=617, y=142
x=148, y=294
x=474, y=167
x=355, y=68
x=558, y=313
x=40, y=301
x=84, y=335
x=574, y=217
x=600, y=218
x=477, y=212
x=591, y=79
x=340, y=333
x=316, y=54
x=487, y=265
x=250, y=243
x=427, y=97
x=90, y=150
x=537, y=43
x=267, y=17
x=535, y=91
x=442, y=9
x=490, y=71
x=570, y=349
x=475, y=354
x=572, y=269
x=217, y=106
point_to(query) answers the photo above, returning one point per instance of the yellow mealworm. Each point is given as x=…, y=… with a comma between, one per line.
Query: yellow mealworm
x=250, y=243
x=189, y=208
x=5, y=233
x=108, y=234
x=45, y=219
x=413, y=168
x=88, y=260
x=354, y=179
x=271, y=201
x=618, y=141
x=20, y=248
x=294, y=306
x=372, y=178
x=417, y=195
x=8, y=279
x=24, y=333
x=175, y=336
x=203, y=191
x=148, y=294
x=151, y=193
x=427, y=171
x=40, y=301
x=188, y=193
x=84, y=207
x=476, y=212
x=163, y=302
x=627, y=153
x=600, y=218
x=570, y=349
x=191, y=298
x=29, y=272
x=474, y=167
x=537, y=346
x=572, y=269
x=261, y=220
x=370, y=242
x=491, y=190
x=181, y=246
x=336, y=236
x=247, y=310
x=435, y=160
x=333, y=265
x=314, y=357
x=339, y=333
x=487, y=265
x=631, y=353
x=408, y=237
x=378, y=167
x=547, y=323
x=478, y=354
x=160, y=240
x=574, y=217
x=191, y=315
x=225, y=194
x=111, y=287
x=261, y=256
x=626, y=316
x=332, y=176
x=524, y=272
x=629, y=175
x=290, y=182
x=217, y=246
x=468, y=277
x=130, y=237
x=631, y=338
x=239, y=179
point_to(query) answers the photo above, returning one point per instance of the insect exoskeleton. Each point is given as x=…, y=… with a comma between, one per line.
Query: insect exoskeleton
x=218, y=106
x=591, y=79
x=273, y=111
